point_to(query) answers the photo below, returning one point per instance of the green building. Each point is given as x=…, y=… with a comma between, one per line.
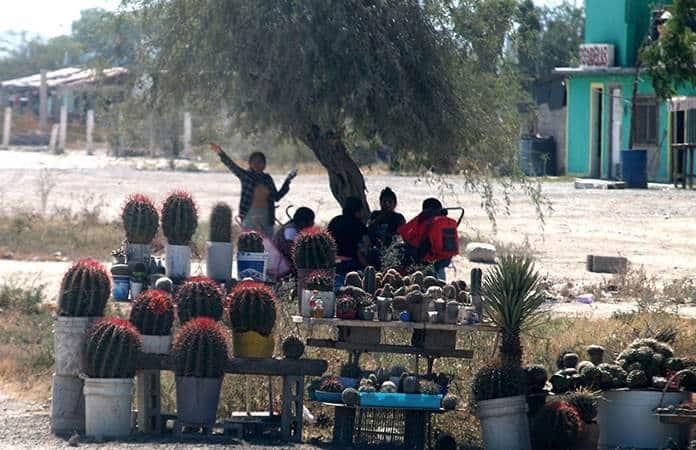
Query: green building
x=599, y=96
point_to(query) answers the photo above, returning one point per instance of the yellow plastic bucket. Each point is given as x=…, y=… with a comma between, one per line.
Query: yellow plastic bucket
x=251, y=344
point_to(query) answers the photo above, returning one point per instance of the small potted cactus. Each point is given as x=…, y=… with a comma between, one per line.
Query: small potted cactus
x=314, y=250
x=219, y=247
x=152, y=313
x=111, y=348
x=330, y=390
x=200, y=356
x=320, y=283
x=586, y=402
x=252, y=316
x=346, y=308
x=141, y=223
x=179, y=223
x=252, y=259
x=199, y=297
x=84, y=291
x=557, y=426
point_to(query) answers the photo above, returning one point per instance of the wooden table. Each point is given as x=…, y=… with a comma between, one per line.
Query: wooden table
x=292, y=372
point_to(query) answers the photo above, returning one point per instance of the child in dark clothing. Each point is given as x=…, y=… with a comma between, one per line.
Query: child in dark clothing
x=350, y=234
x=383, y=226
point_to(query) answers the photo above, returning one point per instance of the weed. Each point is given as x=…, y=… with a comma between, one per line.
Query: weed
x=44, y=185
x=21, y=294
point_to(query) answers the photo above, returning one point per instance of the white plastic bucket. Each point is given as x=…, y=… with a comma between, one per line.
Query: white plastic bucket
x=504, y=423
x=156, y=344
x=328, y=298
x=178, y=261
x=219, y=261
x=108, y=407
x=627, y=420
x=136, y=253
x=67, y=405
x=252, y=265
x=68, y=343
x=135, y=289
x=197, y=400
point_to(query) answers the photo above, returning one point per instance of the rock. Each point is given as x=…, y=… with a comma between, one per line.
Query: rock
x=480, y=252
x=74, y=440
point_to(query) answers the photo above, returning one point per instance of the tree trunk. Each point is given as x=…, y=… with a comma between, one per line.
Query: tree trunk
x=345, y=178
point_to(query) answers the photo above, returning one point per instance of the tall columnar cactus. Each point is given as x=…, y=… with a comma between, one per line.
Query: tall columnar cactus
x=140, y=219
x=200, y=349
x=85, y=288
x=221, y=223
x=152, y=313
x=179, y=218
x=111, y=347
x=199, y=297
x=314, y=249
x=370, y=280
x=252, y=308
x=250, y=242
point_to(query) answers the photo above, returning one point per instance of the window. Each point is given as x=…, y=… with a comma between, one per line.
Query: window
x=645, y=123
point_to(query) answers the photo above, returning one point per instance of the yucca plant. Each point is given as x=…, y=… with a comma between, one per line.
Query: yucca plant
x=512, y=299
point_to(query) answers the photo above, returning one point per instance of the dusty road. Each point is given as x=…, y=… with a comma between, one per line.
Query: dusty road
x=653, y=228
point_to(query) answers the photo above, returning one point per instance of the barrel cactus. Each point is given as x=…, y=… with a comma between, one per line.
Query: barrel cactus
x=250, y=242
x=179, y=218
x=85, y=288
x=596, y=354
x=152, y=313
x=221, y=223
x=536, y=378
x=140, y=219
x=111, y=348
x=556, y=427
x=319, y=281
x=331, y=384
x=200, y=349
x=586, y=402
x=199, y=297
x=498, y=380
x=353, y=279
x=252, y=308
x=314, y=249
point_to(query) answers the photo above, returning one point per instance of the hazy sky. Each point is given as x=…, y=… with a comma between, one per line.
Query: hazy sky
x=53, y=17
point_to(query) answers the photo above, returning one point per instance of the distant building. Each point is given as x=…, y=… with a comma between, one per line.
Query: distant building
x=599, y=96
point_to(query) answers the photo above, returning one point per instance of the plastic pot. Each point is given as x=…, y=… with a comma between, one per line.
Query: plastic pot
x=219, y=261
x=504, y=423
x=197, y=400
x=251, y=344
x=68, y=343
x=108, y=407
x=252, y=265
x=328, y=298
x=178, y=261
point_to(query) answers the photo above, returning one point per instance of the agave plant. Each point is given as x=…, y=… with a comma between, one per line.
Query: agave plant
x=512, y=301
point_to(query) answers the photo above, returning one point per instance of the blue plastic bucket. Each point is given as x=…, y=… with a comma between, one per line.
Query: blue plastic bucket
x=120, y=288
x=252, y=265
x=634, y=168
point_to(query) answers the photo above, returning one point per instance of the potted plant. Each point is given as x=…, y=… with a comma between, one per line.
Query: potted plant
x=557, y=426
x=179, y=222
x=319, y=283
x=346, y=308
x=586, y=402
x=199, y=297
x=141, y=223
x=252, y=260
x=82, y=299
x=111, y=349
x=314, y=250
x=219, y=247
x=330, y=390
x=152, y=313
x=200, y=356
x=536, y=388
x=252, y=316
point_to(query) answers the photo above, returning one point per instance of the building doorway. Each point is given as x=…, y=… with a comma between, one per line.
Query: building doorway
x=597, y=112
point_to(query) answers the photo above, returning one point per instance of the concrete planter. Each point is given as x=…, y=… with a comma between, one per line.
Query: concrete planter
x=67, y=405
x=108, y=407
x=197, y=400
x=219, y=261
x=68, y=343
x=136, y=253
x=626, y=420
x=159, y=345
x=504, y=423
x=178, y=261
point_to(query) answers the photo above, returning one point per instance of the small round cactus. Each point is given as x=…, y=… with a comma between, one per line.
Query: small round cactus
x=179, y=218
x=140, y=219
x=350, y=397
x=250, y=242
x=221, y=223
x=331, y=384
x=498, y=380
x=111, y=347
x=637, y=379
x=200, y=349
x=319, y=281
x=570, y=360
x=293, y=347
x=199, y=297
x=536, y=378
x=314, y=249
x=152, y=313
x=252, y=308
x=84, y=290
x=596, y=354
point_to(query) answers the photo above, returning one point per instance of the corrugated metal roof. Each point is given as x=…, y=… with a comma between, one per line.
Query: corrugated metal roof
x=68, y=76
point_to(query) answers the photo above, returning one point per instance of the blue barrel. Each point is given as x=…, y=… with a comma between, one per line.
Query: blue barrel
x=634, y=168
x=537, y=156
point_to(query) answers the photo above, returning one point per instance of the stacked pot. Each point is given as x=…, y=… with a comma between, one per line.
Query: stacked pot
x=179, y=223
x=314, y=253
x=219, y=254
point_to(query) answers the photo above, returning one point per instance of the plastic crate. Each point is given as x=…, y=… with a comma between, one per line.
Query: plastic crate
x=410, y=401
x=387, y=428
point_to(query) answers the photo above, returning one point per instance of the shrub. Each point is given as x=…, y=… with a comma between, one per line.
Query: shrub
x=152, y=313
x=199, y=297
x=252, y=308
x=84, y=290
x=140, y=219
x=111, y=348
x=179, y=218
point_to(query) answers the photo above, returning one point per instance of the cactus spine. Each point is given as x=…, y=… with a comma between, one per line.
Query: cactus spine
x=200, y=349
x=314, y=249
x=252, y=308
x=179, y=218
x=152, y=313
x=199, y=297
x=111, y=347
x=221, y=223
x=140, y=219
x=250, y=242
x=84, y=290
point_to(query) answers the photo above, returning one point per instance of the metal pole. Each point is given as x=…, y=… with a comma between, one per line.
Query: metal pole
x=7, y=127
x=90, y=131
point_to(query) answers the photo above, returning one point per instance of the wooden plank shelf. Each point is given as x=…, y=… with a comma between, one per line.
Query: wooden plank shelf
x=390, y=348
x=312, y=321
x=245, y=366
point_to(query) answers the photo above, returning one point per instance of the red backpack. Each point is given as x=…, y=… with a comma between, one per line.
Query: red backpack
x=436, y=238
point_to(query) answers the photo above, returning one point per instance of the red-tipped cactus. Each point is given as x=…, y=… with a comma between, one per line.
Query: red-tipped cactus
x=314, y=249
x=556, y=426
x=140, y=219
x=200, y=349
x=152, y=313
x=221, y=223
x=111, y=348
x=252, y=308
x=319, y=281
x=179, y=218
x=250, y=242
x=85, y=288
x=199, y=297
